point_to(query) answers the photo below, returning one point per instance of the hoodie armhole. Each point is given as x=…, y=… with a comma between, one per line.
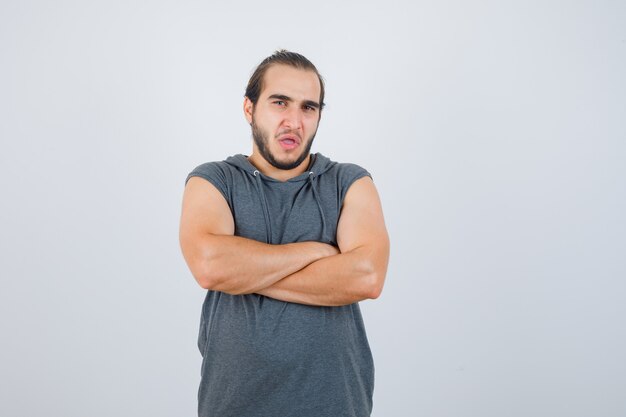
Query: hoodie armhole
x=213, y=174
x=347, y=176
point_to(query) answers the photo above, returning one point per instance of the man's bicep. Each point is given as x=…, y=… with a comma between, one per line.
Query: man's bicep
x=204, y=211
x=361, y=222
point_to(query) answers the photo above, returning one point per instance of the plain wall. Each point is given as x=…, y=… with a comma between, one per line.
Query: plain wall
x=495, y=133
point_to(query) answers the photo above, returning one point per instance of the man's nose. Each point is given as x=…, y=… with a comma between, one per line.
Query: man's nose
x=293, y=117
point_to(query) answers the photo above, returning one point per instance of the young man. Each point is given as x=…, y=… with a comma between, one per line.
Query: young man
x=286, y=243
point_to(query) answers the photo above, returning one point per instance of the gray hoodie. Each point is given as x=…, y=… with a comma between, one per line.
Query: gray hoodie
x=268, y=358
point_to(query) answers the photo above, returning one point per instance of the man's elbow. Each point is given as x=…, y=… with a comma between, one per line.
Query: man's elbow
x=372, y=269
x=208, y=276
x=201, y=262
x=374, y=287
x=372, y=282
x=213, y=277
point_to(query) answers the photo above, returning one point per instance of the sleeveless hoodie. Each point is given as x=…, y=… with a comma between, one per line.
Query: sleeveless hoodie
x=264, y=357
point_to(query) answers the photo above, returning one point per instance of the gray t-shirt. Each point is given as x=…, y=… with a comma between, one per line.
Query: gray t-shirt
x=268, y=358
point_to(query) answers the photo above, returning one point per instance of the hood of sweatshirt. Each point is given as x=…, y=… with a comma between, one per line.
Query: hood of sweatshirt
x=319, y=165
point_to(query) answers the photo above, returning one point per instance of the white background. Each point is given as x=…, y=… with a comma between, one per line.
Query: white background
x=495, y=132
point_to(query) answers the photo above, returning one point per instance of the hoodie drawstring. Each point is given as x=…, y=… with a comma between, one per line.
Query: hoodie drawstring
x=312, y=178
x=266, y=211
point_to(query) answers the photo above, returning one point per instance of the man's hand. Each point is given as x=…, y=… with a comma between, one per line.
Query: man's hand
x=235, y=265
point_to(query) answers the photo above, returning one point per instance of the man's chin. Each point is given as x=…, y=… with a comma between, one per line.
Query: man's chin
x=285, y=165
x=289, y=162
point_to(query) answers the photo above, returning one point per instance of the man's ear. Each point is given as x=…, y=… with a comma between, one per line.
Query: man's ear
x=248, y=109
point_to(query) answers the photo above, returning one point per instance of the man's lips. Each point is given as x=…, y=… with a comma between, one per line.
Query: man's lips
x=289, y=137
x=289, y=141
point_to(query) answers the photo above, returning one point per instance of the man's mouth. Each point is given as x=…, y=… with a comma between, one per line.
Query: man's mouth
x=289, y=141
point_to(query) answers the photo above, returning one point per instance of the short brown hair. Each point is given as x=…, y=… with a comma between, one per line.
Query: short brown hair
x=282, y=57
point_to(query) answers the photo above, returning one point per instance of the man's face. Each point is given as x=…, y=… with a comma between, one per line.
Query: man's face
x=285, y=119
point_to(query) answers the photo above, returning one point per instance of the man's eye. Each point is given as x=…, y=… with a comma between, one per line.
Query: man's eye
x=279, y=102
x=309, y=108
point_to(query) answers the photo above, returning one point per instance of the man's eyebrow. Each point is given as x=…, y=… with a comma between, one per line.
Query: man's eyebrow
x=280, y=97
x=283, y=97
x=312, y=103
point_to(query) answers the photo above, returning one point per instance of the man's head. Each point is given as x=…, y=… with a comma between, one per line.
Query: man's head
x=280, y=57
x=283, y=105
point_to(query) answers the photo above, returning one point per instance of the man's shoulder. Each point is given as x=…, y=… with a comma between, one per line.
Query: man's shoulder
x=217, y=170
x=211, y=166
x=209, y=170
x=347, y=171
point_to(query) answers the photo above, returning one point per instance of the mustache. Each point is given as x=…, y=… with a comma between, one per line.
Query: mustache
x=288, y=132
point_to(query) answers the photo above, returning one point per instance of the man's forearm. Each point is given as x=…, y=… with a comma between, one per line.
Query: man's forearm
x=237, y=265
x=332, y=281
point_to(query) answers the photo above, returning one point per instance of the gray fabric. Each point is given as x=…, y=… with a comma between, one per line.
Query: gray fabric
x=268, y=358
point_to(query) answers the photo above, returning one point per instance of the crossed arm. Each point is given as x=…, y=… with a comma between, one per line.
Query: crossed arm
x=305, y=272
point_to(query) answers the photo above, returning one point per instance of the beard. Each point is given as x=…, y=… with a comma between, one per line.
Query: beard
x=261, y=139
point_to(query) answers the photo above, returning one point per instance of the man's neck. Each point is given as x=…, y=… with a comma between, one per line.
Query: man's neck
x=279, y=174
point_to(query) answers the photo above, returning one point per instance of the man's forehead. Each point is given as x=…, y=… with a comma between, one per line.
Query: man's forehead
x=293, y=82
